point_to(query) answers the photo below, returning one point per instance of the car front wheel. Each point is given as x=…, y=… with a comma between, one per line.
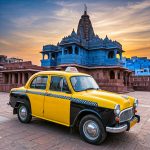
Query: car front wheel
x=23, y=113
x=92, y=130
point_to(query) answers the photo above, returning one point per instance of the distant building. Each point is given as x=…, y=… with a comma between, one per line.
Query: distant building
x=16, y=74
x=141, y=83
x=102, y=58
x=139, y=65
x=5, y=59
x=142, y=72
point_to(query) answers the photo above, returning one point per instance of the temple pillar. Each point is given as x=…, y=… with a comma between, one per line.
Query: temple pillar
x=9, y=78
x=43, y=56
x=62, y=51
x=121, y=75
x=120, y=56
x=4, y=78
x=29, y=74
x=125, y=77
x=23, y=78
x=129, y=79
x=19, y=76
x=50, y=55
x=116, y=74
x=13, y=78
x=79, y=49
x=115, y=53
x=73, y=49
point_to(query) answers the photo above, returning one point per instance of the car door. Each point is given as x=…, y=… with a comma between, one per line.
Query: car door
x=57, y=101
x=36, y=92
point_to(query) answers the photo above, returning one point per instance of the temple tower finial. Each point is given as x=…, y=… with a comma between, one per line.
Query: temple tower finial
x=85, y=9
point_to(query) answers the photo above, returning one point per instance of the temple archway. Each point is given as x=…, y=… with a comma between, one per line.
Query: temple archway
x=118, y=55
x=45, y=56
x=118, y=75
x=111, y=54
x=53, y=56
x=69, y=50
x=76, y=50
x=112, y=74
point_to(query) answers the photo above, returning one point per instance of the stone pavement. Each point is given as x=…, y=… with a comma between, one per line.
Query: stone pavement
x=43, y=135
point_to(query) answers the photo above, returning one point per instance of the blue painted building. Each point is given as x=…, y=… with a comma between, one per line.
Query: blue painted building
x=139, y=65
x=83, y=48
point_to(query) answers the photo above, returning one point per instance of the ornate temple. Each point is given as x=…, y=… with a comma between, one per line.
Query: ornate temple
x=102, y=58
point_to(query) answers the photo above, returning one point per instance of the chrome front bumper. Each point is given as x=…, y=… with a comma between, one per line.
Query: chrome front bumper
x=117, y=129
x=123, y=127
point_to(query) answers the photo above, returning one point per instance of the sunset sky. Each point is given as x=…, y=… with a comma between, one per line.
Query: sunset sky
x=25, y=26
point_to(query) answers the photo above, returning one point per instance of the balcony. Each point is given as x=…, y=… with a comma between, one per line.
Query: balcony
x=48, y=62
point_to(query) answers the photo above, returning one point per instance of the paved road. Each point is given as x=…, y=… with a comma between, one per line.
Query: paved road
x=42, y=135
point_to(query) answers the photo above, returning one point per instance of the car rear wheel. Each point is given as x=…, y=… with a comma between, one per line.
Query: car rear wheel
x=92, y=130
x=24, y=114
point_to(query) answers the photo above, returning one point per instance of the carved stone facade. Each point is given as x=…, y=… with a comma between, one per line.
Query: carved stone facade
x=16, y=74
x=141, y=83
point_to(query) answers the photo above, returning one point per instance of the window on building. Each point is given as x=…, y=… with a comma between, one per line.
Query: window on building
x=112, y=74
x=59, y=84
x=53, y=56
x=45, y=56
x=111, y=54
x=76, y=50
x=39, y=82
x=69, y=50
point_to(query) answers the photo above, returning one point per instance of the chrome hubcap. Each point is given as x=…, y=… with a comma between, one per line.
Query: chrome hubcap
x=91, y=130
x=23, y=113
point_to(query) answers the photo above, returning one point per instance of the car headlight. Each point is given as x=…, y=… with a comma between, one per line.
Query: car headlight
x=117, y=109
x=136, y=103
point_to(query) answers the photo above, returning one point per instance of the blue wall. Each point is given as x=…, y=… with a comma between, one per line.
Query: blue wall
x=58, y=55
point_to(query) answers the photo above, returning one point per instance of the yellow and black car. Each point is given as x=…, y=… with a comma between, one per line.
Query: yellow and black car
x=75, y=100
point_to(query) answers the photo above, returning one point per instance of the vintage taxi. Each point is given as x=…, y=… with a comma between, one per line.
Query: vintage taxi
x=75, y=100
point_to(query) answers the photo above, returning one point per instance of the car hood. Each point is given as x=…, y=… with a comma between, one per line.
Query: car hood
x=108, y=99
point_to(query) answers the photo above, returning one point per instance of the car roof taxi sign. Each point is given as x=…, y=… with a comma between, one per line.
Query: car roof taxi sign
x=71, y=69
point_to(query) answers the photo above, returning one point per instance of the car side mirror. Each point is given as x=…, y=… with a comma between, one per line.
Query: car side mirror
x=68, y=92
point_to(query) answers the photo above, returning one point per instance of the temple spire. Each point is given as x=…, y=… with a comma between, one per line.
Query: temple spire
x=85, y=29
x=85, y=9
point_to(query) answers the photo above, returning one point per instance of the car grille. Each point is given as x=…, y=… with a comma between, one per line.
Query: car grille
x=126, y=114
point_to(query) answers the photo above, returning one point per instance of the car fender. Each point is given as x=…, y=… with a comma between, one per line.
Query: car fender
x=84, y=112
x=19, y=97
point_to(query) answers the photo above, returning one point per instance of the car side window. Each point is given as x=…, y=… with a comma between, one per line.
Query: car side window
x=59, y=84
x=39, y=83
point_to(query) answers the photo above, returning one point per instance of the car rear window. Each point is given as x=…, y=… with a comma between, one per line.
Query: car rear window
x=39, y=82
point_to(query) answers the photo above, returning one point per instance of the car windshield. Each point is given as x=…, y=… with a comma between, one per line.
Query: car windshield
x=81, y=83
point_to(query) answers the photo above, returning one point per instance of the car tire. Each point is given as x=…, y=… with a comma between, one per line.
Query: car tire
x=92, y=130
x=24, y=114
